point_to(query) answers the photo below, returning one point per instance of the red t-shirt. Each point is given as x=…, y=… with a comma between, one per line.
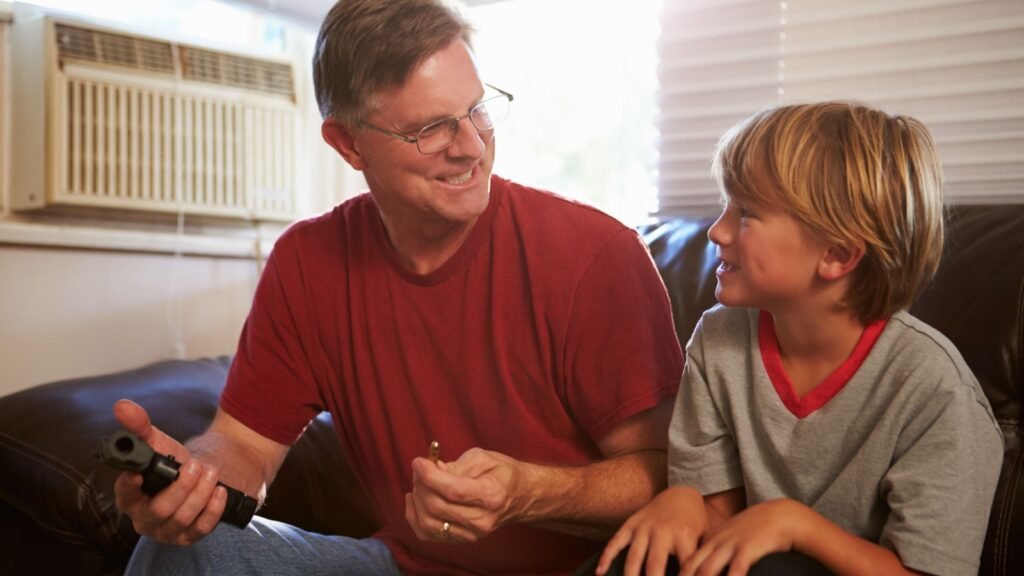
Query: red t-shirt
x=547, y=328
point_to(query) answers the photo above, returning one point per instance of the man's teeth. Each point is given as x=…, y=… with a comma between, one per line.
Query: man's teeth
x=460, y=179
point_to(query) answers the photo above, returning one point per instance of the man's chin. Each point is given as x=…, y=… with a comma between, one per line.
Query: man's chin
x=470, y=211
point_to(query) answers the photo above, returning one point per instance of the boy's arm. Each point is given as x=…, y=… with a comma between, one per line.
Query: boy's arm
x=783, y=526
x=724, y=505
x=843, y=552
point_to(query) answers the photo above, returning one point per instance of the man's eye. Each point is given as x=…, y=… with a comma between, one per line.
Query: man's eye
x=430, y=130
x=481, y=116
x=436, y=128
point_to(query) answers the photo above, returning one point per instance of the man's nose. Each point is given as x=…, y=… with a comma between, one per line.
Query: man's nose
x=468, y=141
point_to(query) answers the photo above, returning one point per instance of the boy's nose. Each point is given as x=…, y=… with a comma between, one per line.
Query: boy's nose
x=718, y=233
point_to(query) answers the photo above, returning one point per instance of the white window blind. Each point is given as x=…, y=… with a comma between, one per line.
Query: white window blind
x=5, y=109
x=957, y=65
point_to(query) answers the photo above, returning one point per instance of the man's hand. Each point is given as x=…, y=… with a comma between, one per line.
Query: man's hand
x=475, y=495
x=672, y=523
x=189, y=508
x=483, y=490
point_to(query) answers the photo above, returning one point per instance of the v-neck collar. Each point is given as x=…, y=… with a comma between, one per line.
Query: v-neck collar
x=832, y=384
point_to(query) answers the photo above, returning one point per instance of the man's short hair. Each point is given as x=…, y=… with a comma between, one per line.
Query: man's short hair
x=853, y=175
x=365, y=46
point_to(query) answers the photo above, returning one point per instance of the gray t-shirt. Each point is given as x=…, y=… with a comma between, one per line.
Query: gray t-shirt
x=906, y=454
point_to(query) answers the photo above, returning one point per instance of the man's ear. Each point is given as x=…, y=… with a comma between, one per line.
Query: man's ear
x=839, y=261
x=340, y=137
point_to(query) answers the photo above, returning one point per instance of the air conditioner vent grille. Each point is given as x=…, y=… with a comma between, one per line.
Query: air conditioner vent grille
x=124, y=127
x=154, y=149
x=76, y=43
x=114, y=49
x=230, y=70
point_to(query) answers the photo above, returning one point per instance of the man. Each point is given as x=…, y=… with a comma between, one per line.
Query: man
x=530, y=336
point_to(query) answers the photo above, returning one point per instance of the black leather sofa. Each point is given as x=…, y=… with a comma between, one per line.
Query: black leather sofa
x=57, y=512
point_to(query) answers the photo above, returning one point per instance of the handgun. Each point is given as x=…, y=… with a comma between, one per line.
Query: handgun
x=125, y=451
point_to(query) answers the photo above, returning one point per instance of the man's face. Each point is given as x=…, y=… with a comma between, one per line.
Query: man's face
x=429, y=193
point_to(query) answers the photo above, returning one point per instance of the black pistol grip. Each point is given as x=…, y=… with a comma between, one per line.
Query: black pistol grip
x=239, y=509
x=161, y=471
x=125, y=451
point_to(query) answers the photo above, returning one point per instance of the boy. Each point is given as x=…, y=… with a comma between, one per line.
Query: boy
x=815, y=414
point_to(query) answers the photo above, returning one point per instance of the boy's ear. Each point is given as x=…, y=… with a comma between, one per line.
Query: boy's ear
x=340, y=137
x=840, y=261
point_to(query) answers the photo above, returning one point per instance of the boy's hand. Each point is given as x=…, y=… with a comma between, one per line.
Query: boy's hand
x=672, y=523
x=747, y=537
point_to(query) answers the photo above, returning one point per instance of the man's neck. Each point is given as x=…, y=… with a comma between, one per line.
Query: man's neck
x=423, y=249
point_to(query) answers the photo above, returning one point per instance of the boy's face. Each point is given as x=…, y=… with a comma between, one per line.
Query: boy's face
x=769, y=260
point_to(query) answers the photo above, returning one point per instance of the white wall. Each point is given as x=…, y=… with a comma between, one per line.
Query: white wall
x=81, y=297
x=69, y=313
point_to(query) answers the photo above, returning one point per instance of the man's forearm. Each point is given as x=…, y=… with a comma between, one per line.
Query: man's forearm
x=235, y=467
x=246, y=461
x=592, y=501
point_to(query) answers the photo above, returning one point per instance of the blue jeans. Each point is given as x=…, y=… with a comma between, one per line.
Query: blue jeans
x=265, y=547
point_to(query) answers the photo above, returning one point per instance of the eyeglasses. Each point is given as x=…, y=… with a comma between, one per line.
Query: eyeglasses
x=438, y=136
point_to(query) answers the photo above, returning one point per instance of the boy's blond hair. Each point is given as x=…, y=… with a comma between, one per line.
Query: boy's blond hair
x=854, y=176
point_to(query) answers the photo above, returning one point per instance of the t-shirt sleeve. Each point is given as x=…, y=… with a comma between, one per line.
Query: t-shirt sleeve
x=941, y=484
x=622, y=352
x=270, y=386
x=702, y=450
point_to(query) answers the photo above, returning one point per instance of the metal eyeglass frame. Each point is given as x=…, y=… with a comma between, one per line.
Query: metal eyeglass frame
x=451, y=120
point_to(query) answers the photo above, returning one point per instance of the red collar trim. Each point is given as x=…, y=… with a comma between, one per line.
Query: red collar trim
x=830, y=386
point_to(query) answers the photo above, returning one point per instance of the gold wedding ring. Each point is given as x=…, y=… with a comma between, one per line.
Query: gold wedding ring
x=446, y=529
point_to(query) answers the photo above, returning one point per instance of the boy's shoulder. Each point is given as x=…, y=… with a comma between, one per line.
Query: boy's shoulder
x=907, y=337
x=926, y=364
x=719, y=318
x=721, y=324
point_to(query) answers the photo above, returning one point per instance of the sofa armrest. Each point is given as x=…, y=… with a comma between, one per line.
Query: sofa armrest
x=48, y=435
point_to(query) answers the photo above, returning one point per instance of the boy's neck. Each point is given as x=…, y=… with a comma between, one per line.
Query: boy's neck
x=812, y=346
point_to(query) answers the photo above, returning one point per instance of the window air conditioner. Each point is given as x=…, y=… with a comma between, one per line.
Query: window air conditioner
x=108, y=119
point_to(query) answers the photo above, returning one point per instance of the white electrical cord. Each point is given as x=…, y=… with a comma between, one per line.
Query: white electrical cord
x=174, y=308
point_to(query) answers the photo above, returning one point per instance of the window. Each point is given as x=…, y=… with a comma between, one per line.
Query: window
x=583, y=74
x=211, y=20
x=957, y=65
x=5, y=98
